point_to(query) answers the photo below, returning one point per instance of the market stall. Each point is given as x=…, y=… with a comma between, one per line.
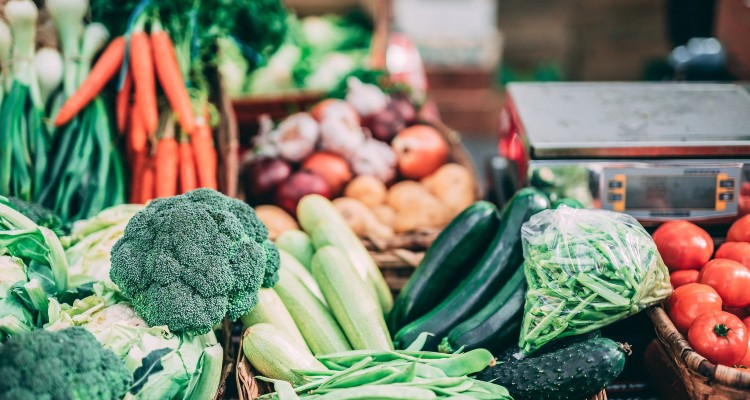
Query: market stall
x=222, y=199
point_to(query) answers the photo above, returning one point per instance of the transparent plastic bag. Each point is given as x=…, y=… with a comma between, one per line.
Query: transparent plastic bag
x=586, y=269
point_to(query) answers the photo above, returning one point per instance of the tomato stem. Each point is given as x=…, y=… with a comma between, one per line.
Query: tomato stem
x=721, y=330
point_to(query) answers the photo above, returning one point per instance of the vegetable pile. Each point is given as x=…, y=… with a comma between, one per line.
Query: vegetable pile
x=710, y=300
x=585, y=270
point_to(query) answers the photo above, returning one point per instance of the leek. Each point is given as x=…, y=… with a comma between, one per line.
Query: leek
x=49, y=71
x=6, y=42
x=68, y=18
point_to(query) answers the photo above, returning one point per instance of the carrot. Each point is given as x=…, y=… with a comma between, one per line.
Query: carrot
x=204, y=155
x=106, y=67
x=122, y=106
x=136, y=181
x=167, y=162
x=142, y=63
x=170, y=78
x=147, y=180
x=188, y=180
x=137, y=137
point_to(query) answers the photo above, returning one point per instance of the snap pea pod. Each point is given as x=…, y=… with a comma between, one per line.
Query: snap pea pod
x=380, y=392
x=466, y=363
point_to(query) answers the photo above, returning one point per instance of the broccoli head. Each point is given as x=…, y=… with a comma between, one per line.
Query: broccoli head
x=41, y=215
x=67, y=364
x=189, y=260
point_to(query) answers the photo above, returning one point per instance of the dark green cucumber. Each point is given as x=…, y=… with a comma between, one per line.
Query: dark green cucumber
x=495, y=326
x=567, y=201
x=515, y=353
x=575, y=372
x=450, y=258
x=499, y=262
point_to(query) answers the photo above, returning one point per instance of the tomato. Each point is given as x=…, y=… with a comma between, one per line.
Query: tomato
x=730, y=279
x=737, y=251
x=331, y=167
x=740, y=230
x=720, y=337
x=745, y=362
x=683, y=245
x=683, y=277
x=420, y=150
x=737, y=312
x=690, y=301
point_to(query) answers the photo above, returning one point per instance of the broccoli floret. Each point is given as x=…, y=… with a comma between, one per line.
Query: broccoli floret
x=41, y=215
x=66, y=364
x=187, y=261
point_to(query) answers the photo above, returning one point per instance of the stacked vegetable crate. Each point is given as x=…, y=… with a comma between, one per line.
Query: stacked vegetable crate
x=702, y=379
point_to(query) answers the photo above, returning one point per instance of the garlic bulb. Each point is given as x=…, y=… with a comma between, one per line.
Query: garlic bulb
x=374, y=158
x=365, y=98
x=296, y=136
x=263, y=142
x=340, y=136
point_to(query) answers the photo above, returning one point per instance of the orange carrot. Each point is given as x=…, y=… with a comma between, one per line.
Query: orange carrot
x=147, y=180
x=106, y=67
x=137, y=137
x=122, y=106
x=167, y=163
x=142, y=66
x=204, y=155
x=188, y=180
x=170, y=78
x=136, y=180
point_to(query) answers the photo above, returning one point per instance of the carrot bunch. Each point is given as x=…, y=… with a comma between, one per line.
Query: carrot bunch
x=164, y=160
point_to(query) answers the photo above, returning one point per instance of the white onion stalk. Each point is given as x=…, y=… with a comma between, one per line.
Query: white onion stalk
x=95, y=36
x=49, y=71
x=68, y=18
x=22, y=16
x=6, y=42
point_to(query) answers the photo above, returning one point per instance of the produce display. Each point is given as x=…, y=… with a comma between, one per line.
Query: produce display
x=710, y=297
x=388, y=173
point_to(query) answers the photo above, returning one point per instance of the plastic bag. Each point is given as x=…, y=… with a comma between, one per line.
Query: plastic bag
x=586, y=269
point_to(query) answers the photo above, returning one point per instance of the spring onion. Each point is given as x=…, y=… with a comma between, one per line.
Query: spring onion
x=49, y=71
x=68, y=18
x=95, y=36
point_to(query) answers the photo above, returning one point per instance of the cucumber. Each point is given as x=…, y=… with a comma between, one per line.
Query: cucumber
x=289, y=263
x=359, y=316
x=575, y=372
x=450, y=258
x=515, y=353
x=271, y=310
x=325, y=225
x=275, y=355
x=320, y=330
x=501, y=260
x=298, y=244
x=494, y=327
x=567, y=201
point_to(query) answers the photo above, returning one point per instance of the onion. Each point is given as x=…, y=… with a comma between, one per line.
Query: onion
x=299, y=185
x=375, y=158
x=331, y=167
x=340, y=137
x=384, y=125
x=296, y=136
x=261, y=176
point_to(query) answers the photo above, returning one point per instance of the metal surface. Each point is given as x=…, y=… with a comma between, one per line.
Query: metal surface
x=633, y=120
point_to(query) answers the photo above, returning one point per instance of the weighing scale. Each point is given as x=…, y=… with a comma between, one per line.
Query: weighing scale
x=657, y=151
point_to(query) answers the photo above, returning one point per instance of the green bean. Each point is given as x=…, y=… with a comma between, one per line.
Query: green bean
x=419, y=343
x=428, y=371
x=361, y=378
x=466, y=363
x=381, y=392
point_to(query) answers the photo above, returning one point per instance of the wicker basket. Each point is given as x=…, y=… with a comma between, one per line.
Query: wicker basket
x=250, y=388
x=229, y=357
x=702, y=379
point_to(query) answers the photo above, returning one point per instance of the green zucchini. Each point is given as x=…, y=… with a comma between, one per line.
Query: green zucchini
x=578, y=371
x=271, y=310
x=298, y=244
x=494, y=327
x=450, y=258
x=359, y=316
x=567, y=201
x=320, y=330
x=501, y=260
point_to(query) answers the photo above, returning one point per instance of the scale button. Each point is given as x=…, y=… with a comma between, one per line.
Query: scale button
x=729, y=196
x=728, y=183
x=615, y=184
x=614, y=197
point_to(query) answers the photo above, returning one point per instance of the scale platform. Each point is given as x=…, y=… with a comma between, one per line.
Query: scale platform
x=633, y=120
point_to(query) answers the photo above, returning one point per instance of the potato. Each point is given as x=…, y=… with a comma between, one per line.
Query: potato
x=385, y=214
x=361, y=219
x=276, y=219
x=369, y=190
x=404, y=194
x=453, y=185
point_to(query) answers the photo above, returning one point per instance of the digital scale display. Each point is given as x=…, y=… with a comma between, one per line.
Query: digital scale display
x=654, y=192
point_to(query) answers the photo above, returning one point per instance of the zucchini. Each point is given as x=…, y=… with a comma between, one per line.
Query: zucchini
x=567, y=201
x=319, y=218
x=577, y=371
x=359, y=316
x=494, y=327
x=320, y=330
x=289, y=263
x=501, y=260
x=271, y=310
x=298, y=244
x=274, y=355
x=448, y=260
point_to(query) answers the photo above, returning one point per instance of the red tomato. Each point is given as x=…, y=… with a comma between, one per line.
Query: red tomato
x=730, y=279
x=720, y=337
x=682, y=278
x=331, y=167
x=737, y=312
x=420, y=150
x=683, y=245
x=690, y=301
x=745, y=362
x=737, y=251
x=740, y=230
